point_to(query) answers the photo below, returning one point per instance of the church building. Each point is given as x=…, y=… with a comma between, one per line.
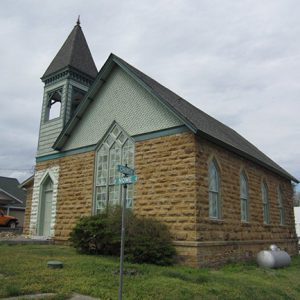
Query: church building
x=221, y=197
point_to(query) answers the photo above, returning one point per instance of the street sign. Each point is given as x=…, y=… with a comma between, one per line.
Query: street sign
x=126, y=180
x=125, y=170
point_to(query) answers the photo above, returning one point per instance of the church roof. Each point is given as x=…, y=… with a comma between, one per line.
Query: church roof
x=74, y=53
x=198, y=121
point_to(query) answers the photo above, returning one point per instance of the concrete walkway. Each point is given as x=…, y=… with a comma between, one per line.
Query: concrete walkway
x=15, y=239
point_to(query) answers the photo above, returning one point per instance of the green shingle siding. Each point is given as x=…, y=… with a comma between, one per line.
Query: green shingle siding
x=123, y=100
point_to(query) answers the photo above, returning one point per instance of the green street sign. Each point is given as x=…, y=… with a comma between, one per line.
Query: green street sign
x=126, y=180
x=125, y=170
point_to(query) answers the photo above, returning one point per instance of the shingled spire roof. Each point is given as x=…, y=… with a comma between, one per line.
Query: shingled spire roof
x=74, y=53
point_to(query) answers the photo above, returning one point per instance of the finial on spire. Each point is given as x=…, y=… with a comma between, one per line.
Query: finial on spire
x=78, y=20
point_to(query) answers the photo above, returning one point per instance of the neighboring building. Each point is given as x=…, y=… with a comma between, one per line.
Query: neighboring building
x=12, y=198
x=220, y=196
x=297, y=220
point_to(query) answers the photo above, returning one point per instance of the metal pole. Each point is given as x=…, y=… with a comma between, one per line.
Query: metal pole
x=122, y=243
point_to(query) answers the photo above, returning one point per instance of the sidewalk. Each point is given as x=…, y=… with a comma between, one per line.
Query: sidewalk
x=12, y=238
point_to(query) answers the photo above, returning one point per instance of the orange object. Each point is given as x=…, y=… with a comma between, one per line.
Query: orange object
x=7, y=221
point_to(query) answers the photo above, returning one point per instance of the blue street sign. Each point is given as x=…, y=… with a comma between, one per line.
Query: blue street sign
x=126, y=180
x=125, y=170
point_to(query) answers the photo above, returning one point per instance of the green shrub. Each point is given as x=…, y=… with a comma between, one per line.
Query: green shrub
x=146, y=240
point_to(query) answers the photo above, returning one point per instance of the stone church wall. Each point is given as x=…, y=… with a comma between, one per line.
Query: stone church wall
x=172, y=186
x=75, y=191
x=229, y=238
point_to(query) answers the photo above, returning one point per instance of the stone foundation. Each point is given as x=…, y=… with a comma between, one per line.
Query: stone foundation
x=204, y=254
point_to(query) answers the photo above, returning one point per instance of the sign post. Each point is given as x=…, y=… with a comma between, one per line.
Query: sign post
x=122, y=242
x=128, y=178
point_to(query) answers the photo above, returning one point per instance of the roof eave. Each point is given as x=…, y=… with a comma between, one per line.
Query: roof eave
x=246, y=155
x=66, y=68
x=26, y=182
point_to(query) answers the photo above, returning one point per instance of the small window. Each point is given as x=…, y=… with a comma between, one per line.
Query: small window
x=265, y=201
x=280, y=206
x=214, y=191
x=244, y=198
x=54, y=104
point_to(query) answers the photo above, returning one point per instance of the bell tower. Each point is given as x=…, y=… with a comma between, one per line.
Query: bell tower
x=67, y=79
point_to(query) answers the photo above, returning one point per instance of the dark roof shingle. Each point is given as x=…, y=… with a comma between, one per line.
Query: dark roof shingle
x=206, y=124
x=11, y=186
x=74, y=53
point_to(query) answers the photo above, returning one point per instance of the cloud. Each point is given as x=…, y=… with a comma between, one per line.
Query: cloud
x=239, y=61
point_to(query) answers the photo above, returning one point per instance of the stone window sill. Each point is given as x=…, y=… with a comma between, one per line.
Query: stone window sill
x=215, y=221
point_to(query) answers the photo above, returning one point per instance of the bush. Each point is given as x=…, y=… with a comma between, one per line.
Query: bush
x=146, y=240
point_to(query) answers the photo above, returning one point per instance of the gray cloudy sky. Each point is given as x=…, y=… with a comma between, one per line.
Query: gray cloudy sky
x=237, y=60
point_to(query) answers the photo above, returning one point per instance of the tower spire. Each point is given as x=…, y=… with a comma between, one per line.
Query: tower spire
x=73, y=53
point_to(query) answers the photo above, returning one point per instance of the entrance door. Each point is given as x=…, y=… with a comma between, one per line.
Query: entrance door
x=46, y=208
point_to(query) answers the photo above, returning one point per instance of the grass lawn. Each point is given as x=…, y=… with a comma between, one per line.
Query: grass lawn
x=23, y=270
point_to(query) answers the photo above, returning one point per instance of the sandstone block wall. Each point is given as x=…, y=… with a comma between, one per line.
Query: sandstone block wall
x=240, y=240
x=75, y=190
x=230, y=227
x=166, y=186
x=172, y=186
x=26, y=224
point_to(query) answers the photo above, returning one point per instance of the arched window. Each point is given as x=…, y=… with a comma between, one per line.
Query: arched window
x=54, y=104
x=244, y=198
x=265, y=201
x=214, y=190
x=116, y=149
x=45, y=209
x=280, y=206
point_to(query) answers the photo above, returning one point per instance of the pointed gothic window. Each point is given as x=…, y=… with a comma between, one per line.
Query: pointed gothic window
x=244, y=197
x=117, y=148
x=265, y=200
x=214, y=192
x=54, y=104
x=280, y=206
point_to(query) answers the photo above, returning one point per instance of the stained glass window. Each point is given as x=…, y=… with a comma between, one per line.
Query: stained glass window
x=117, y=148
